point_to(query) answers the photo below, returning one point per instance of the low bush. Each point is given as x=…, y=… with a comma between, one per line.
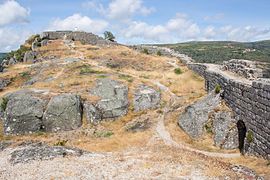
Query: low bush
x=19, y=54
x=217, y=89
x=178, y=71
x=103, y=134
x=86, y=69
x=3, y=104
x=126, y=77
x=61, y=143
x=145, y=51
x=250, y=136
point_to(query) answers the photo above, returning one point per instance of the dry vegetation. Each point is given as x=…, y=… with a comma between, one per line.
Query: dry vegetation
x=132, y=68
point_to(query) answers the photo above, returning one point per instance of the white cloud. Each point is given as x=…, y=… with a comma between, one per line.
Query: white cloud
x=77, y=21
x=247, y=33
x=12, y=38
x=180, y=28
x=210, y=32
x=12, y=12
x=121, y=10
x=146, y=31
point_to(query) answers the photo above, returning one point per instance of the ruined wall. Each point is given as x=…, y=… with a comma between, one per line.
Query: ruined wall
x=250, y=101
x=83, y=37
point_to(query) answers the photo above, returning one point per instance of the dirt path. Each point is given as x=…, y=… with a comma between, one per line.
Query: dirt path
x=166, y=136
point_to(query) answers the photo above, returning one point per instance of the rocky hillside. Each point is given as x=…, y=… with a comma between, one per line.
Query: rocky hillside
x=97, y=109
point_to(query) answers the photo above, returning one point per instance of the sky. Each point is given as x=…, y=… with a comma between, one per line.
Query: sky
x=137, y=21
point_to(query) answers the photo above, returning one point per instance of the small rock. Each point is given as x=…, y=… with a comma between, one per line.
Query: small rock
x=4, y=83
x=146, y=97
x=92, y=113
x=114, y=99
x=4, y=145
x=138, y=124
x=44, y=42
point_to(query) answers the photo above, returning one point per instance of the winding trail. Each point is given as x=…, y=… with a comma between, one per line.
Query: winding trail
x=166, y=136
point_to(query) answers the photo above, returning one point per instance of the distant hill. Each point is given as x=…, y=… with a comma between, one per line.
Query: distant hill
x=219, y=51
x=2, y=56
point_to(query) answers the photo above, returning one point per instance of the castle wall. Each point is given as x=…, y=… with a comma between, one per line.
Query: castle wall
x=250, y=101
x=83, y=37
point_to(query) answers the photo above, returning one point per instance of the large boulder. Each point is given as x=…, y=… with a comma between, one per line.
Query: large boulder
x=23, y=113
x=195, y=117
x=146, y=97
x=113, y=101
x=225, y=130
x=63, y=113
x=30, y=56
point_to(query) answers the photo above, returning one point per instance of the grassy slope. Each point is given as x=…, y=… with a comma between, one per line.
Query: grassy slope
x=219, y=51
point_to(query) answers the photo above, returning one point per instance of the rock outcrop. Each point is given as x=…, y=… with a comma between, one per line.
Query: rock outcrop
x=4, y=82
x=26, y=112
x=204, y=116
x=113, y=101
x=23, y=113
x=225, y=130
x=30, y=56
x=63, y=113
x=41, y=151
x=195, y=117
x=146, y=97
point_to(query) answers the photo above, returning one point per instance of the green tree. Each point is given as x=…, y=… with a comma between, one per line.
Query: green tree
x=109, y=36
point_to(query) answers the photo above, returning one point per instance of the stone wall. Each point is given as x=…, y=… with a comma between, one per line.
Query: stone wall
x=83, y=37
x=248, y=69
x=250, y=101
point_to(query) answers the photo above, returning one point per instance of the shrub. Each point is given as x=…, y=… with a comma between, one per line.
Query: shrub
x=103, y=134
x=3, y=104
x=250, y=136
x=208, y=128
x=19, y=54
x=159, y=53
x=25, y=74
x=109, y=36
x=217, y=89
x=61, y=143
x=86, y=69
x=178, y=71
x=145, y=51
x=126, y=77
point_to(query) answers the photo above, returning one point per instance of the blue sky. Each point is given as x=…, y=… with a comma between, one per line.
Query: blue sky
x=137, y=21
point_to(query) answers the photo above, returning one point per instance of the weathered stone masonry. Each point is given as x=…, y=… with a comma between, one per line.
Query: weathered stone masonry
x=250, y=101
